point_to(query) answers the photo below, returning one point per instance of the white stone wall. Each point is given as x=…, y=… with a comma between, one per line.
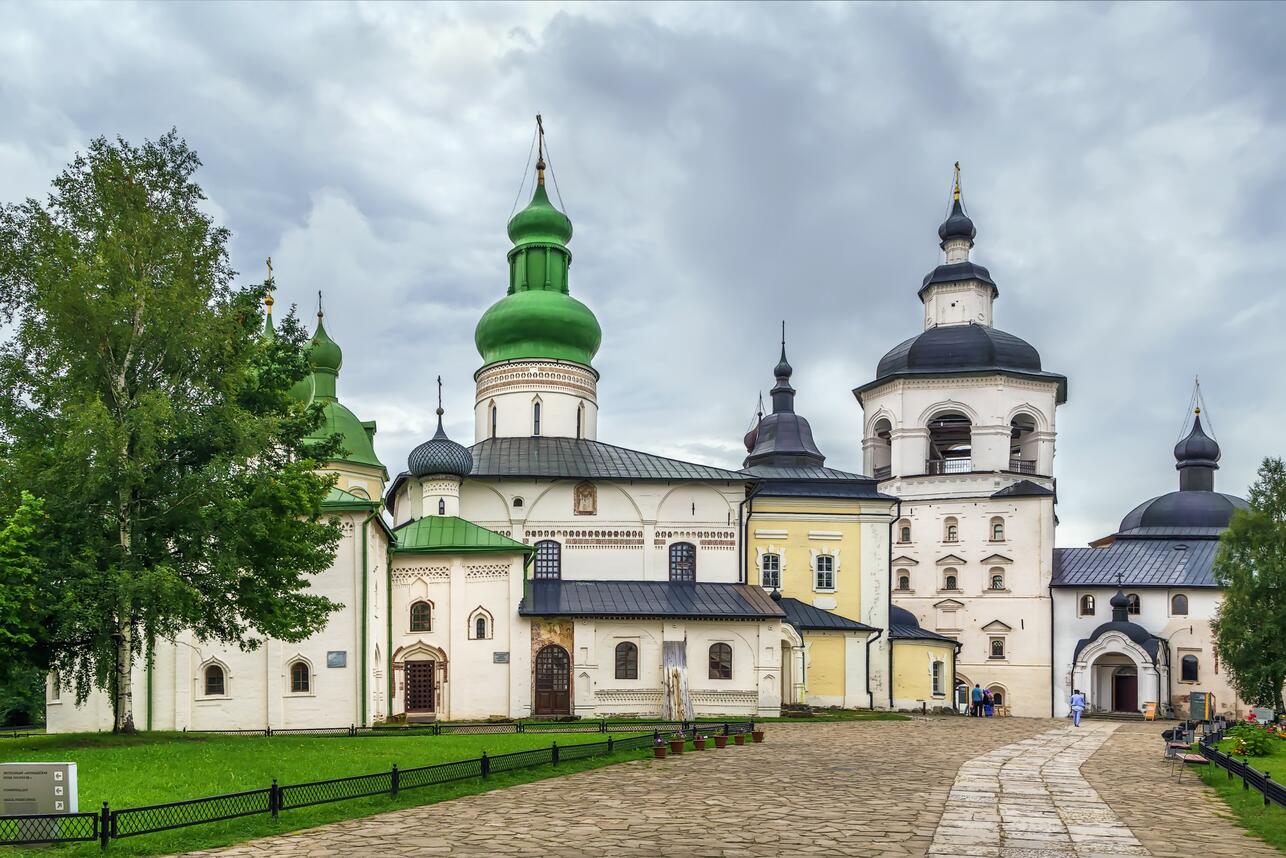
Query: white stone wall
x=567, y=393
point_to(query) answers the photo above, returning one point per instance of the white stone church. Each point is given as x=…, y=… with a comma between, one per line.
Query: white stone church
x=543, y=572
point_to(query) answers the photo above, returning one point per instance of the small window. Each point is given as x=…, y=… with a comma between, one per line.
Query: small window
x=904, y=531
x=299, y=678
x=950, y=581
x=493, y=421
x=535, y=418
x=421, y=617
x=825, y=572
x=937, y=679
x=1188, y=668
x=720, y=661
x=549, y=559
x=55, y=687
x=770, y=574
x=627, y=661
x=480, y=628
x=997, y=647
x=442, y=506
x=580, y=419
x=215, y=681
x=997, y=579
x=1179, y=605
x=997, y=696
x=1087, y=606
x=517, y=503
x=997, y=529
x=951, y=530
x=904, y=582
x=1134, y=606
x=683, y=562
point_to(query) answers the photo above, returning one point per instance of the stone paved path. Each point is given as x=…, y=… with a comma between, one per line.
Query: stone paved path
x=843, y=789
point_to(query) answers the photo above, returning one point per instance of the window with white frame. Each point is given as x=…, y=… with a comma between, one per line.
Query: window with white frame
x=904, y=580
x=950, y=529
x=996, y=648
x=997, y=529
x=300, y=678
x=824, y=574
x=215, y=681
x=996, y=581
x=904, y=531
x=950, y=579
x=938, y=683
x=1087, y=605
x=770, y=572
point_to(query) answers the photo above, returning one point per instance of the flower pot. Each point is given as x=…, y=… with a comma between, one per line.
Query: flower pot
x=758, y=736
x=676, y=746
x=739, y=739
x=721, y=741
x=699, y=744
x=658, y=751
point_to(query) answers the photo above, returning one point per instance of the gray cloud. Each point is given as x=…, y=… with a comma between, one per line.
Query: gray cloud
x=728, y=166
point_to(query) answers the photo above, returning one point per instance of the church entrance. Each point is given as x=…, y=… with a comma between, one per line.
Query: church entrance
x=1125, y=690
x=553, y=682
x=419, y=687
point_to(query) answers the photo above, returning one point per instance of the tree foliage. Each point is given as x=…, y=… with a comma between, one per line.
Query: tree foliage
x=21, y=627
x=141, y=402
x=1250, y=625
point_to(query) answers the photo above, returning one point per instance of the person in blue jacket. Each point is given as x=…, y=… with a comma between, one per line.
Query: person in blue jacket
x=1078, y=706
x=975, y=698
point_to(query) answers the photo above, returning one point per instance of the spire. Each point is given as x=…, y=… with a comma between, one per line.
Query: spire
x=441, y=434
x=540, y=155
x=1197, y=454
x=958, y=226
x=269, y=287
x=783, y=395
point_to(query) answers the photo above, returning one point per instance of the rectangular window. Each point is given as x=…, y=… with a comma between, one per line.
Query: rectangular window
x=997, y=648
x=825, y=573
x=771, y=572
x=937, y=679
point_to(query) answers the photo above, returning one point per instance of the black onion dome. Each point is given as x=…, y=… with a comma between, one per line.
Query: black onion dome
x=440, y=455
x=1184, y=509
x=1198, y=448
x=1120, y=600
x=958, y=224
x=950, y=348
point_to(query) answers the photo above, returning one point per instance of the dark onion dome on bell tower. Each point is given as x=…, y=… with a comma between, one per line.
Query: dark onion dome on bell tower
x=1196, y=504
x=440, y=455
x=783, y=438
x=958, y=224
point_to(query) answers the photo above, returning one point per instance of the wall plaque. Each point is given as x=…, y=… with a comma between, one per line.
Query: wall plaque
x=337, y=658
x=500, y=658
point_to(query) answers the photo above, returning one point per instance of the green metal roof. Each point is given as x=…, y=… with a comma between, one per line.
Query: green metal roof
x=449, y=534
x=337, y=498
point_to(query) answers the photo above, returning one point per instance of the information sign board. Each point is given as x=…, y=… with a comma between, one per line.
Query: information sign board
x=27, y=788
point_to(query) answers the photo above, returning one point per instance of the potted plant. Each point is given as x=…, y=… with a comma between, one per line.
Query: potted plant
x=757, y=735
x=676, y=744
x=658, y=750
x=739, y=739
x=721, y=741
x=699, y=743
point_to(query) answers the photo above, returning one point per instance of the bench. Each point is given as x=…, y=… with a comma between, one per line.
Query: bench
x=1183, y=760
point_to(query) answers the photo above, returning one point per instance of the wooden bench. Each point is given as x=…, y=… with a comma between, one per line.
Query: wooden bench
x=1182, y=760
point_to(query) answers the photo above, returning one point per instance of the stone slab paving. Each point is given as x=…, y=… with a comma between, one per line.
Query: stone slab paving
x=843, y=789
x=1172, y=820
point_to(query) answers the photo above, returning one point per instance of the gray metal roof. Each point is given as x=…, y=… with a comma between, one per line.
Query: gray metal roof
x=574, y=458
x=775, y=472
x=805, y=617
x=903, y=626
x=1024, y=489
x=1141, y=563
x=648, y=599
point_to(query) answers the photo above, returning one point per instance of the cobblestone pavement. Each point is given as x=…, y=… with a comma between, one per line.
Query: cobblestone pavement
x=844, y=789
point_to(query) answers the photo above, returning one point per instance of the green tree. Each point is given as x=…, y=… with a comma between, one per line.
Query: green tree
x=140, y=399
x=1250, y=624
x=21, y=628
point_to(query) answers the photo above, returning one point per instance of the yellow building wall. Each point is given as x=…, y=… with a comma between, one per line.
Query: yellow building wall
x=912, y=676
x=825, y=674
x=775, y=514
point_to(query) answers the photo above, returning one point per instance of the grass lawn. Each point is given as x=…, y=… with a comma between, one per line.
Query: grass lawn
x=1248, y=805
x=129, y=771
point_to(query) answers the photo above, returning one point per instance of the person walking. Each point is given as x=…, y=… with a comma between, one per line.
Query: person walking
x=988, y=703
x=975, y=699
x=1078, y=706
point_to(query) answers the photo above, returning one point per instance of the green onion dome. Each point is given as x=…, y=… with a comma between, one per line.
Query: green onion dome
x=357, y=437
x=538, y=318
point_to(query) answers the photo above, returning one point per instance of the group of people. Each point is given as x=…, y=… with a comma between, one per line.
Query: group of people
x=981, y=703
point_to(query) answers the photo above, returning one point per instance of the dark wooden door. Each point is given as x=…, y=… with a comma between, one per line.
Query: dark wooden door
x=419, y=686
x=553, y=681
x=1125, y=693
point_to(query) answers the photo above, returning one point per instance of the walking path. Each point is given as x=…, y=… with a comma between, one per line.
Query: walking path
x=843, y=789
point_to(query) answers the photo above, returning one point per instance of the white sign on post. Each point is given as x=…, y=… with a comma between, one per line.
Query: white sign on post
x=29, y=788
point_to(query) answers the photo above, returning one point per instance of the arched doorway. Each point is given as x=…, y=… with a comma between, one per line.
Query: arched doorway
x=553, y=681
x=1125, y=689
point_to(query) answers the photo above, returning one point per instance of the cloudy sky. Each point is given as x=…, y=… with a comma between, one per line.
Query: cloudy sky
x=728, y=166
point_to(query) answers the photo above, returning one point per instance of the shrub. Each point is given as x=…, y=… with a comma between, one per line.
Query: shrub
x=1252, y=741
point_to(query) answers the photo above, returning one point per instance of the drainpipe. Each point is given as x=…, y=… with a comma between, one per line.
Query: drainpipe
x=151, y=655
x=889, y=581
x=955, y=657
x=1053, y=685
x=870, y=695
x=388, y=619
x=744, y=513
x=366, y=523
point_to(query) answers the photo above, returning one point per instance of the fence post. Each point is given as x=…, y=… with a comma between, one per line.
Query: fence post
x=656, y=737
x=725, y=728
x=274, y=798
x=486, y=765
x=352, y=730
x=437, y=729
x=602, y=726
x=394, y=782
x=104, y=825
x=522, y=728
x=1268, y=782
x=609, y=743
x=554, y=753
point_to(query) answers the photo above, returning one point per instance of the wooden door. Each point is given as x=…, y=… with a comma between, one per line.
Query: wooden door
x=553, y=681
x=1125, y=693
x=419, y=686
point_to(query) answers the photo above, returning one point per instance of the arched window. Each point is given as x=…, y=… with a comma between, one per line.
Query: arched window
x=480, y=628
x=904, y=580
x=824, y=578
x=997, y=695
x=627, y=661
x=1179, y=605
x=299, y=678
x=493, y=421
x=421, y=617
x=997, y=529
x=1134, y=606
x=949, y=580
x=683, y=562
x=535, y=418
x=580, y=419
x=881, y=450
x=1188, y=668
x=904, y=531
x=937, y=679
x=442, y=506
x=216, y=682
x=1087, y=606
x=517, y=503
x=55, y=687
x=997, y=579
x=720, y=661
x=770, y=571
x=950, y=444
x=997, y=648
x=951, y=529
x=549, y=559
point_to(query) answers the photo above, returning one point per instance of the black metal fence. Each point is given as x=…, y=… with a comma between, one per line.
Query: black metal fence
x=476, y=728
x=108, y=824
x=1262, y=782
